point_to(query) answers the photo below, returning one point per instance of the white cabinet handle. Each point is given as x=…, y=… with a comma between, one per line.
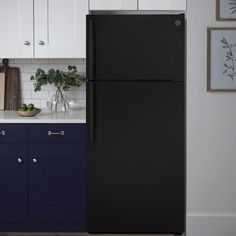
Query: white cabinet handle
x=62, y=133
x=3, y=133
x=19, y=160
x=35, y=161
x=41, y=43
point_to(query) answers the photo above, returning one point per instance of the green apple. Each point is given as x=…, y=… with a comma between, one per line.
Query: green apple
x=23, y=106
x=31, y=106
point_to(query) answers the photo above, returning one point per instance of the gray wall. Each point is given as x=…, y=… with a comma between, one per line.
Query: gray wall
x=211, y=135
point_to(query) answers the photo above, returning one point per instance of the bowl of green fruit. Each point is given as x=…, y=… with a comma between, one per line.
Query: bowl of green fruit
x=28, y=110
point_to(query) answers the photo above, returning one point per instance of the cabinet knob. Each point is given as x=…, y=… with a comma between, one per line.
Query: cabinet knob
x=27, y=43
x=35, y=160
x=19, y=160
x=2, y=132
x=41, y=43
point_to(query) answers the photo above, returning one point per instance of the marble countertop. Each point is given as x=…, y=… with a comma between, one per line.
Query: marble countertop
x=45, y=116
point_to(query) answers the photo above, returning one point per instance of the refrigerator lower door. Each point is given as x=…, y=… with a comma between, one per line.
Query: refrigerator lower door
x=136, y=157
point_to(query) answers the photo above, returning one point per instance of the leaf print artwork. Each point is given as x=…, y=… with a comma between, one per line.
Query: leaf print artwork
x=232, y=5
x=230, y=61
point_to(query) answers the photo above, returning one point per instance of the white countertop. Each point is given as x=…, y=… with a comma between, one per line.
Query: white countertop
x=45, y=116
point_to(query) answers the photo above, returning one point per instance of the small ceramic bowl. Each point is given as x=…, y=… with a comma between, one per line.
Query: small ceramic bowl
x=28, y=113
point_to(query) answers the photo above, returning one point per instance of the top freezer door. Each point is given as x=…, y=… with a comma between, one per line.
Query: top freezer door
x=136, y=47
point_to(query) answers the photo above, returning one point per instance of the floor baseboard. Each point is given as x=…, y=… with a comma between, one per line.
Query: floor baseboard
x=211, y=225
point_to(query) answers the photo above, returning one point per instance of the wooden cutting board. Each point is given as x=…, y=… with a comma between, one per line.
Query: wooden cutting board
x=2, y=91
x=12, y=85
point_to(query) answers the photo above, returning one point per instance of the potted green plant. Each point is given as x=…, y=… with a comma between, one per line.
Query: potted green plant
x=63, y=81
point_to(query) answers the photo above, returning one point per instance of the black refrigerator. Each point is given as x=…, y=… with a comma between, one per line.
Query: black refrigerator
x=136, y=123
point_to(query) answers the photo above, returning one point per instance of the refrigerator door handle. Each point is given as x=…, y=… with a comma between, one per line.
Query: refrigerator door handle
x=92, y=111
x=90, y=77
x=91, y=50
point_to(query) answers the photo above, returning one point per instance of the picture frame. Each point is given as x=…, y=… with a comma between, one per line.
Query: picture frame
x=226, y=10
x=221, y=59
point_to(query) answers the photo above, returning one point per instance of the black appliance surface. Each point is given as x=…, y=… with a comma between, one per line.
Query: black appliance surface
x=136, y=123
x=132, y=47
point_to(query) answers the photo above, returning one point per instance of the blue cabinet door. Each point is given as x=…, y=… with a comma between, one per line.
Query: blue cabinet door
x=13, y=183
x=57, y=179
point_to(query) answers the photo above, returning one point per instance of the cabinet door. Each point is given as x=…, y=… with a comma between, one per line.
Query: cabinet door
x=57, y=183
x=60, y=28
x=113, y=4
x=13, y=183
x=16, y=19
x=162, y=4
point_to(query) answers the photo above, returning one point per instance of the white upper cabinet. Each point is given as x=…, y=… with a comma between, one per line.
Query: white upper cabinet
x=162, y=5
x=113, y=5
x=16, y=20
x=138, y=5
x=60, y=28
x=43, y=28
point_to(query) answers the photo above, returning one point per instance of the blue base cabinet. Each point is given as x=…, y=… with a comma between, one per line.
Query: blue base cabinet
x=13, y=174
x=42, y=178
x=13, y=182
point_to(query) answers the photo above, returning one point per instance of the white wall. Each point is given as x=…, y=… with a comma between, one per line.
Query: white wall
x=211, y=135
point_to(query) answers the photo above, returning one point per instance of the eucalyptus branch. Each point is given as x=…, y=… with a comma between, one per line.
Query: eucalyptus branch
x=61, y=79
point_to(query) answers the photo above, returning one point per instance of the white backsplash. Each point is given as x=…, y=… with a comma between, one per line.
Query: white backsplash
x=28, y=68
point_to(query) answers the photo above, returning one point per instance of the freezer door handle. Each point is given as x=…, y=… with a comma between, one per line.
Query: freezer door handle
x=91, y=49
x=92, y=110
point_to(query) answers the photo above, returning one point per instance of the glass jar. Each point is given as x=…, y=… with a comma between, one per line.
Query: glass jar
x=58, y=102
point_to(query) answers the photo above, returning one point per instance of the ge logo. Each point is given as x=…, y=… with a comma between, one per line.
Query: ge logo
x=178, y=23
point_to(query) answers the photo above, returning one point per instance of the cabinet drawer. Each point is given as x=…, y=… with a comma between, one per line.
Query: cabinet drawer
x=56, y=133
x=168, y=5
x=12, y=133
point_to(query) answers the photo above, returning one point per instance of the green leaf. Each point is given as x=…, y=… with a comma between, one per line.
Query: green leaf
x=60, y=79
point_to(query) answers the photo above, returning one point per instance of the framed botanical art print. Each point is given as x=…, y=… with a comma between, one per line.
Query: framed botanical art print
x=226, y=10
x=221, y=59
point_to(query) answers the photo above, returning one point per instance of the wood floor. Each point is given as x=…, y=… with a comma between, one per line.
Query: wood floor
x=71, y=234
x=43, y=234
